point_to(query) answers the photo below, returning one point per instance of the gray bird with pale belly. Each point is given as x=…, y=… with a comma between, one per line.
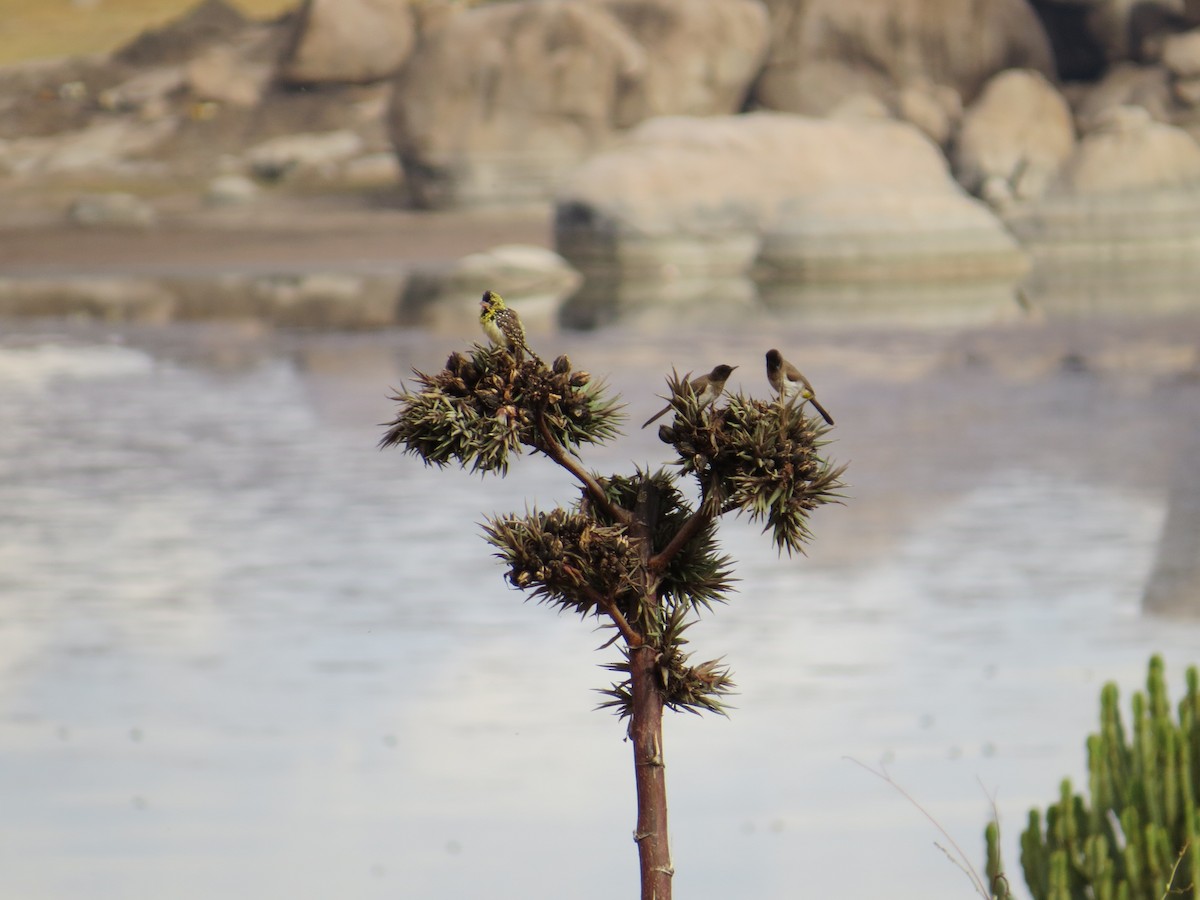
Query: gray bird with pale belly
x=788, y=383
x=707, y=389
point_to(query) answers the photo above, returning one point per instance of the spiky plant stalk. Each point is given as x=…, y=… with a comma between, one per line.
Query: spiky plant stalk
x=631, y=550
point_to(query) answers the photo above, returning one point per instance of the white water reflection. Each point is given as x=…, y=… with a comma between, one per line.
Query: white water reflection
x=246, y=654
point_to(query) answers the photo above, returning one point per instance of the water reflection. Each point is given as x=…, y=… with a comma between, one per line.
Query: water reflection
x=248, y=654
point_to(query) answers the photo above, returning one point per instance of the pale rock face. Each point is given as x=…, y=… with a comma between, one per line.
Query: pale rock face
x=1127, y=150
x=502, y=98
x=1181, y=54
x=1018, y=132
x=108, y=145
x=1126, y=84
x=221, y=74
x=933, y=108
x=303, y=153
x=823, y=50
x=699, y=58
x=108, y=299
x=111, y=210
x=723, y=195
x=349, y=41
x=146, y=89
x=231, y=190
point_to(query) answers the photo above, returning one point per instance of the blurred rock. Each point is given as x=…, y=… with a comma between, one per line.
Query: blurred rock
x=327, y=301
x=537, y=279
x=303, y=153
x=149, y=88
x=555, y=69
x=1126, y=84
x=223, y=75
x=1186, y=91
x=373, y=170
x=1173, y=587
x=1181, y=54
x=319, y=300
x=698, y=58
x=1128, y=199
x=1018, y=134
x=111, y=210
x=889, y=236
x=231, y=190
x=209, y=22
x=107, y=299
x=819, y=87
x=353, y=41
x=110, y=144
x=825, y=50
x=862, y=105
x=933, y=108
x=503, y=98
x=716, y=197
x=1127, y=150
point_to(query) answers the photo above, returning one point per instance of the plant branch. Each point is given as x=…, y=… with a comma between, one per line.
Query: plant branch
x=659, y=561
x=556, y=452
x=632, y=638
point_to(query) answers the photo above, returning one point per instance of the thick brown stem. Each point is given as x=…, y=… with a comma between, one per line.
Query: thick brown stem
x=558, y=453
x=645, y=722
x=687, y=531
x=632, y=638
x=645, y=732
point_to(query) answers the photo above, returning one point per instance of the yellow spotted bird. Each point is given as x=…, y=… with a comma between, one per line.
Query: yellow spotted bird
x=707, y=389
x=788, y=382
x=503, y=326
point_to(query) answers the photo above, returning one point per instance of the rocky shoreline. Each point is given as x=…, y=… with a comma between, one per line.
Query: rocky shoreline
x=664, y=148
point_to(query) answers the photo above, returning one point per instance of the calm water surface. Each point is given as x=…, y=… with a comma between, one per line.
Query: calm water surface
x=245, y=654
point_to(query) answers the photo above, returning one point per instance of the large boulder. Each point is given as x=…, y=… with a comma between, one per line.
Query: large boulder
x=786, y=196
x=499, y=100
x=348, y=41
x=1014, y=138
x=823, y=51
x=1126, y=84
x=1130, y=193
x=222, y=74
x=1181, y=54
x=699, y=58
x=1130, y=151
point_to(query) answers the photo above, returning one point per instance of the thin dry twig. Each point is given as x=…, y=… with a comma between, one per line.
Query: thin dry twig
x=963, y=861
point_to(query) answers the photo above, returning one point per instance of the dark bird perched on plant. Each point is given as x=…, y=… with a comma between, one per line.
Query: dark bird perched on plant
x=788, y=382
x=707, y=389
x=503, y=326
